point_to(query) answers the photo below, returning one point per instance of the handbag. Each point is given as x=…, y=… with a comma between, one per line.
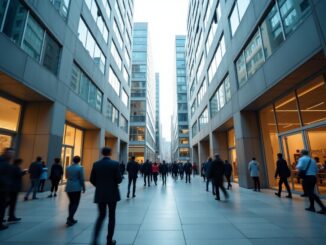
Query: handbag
x=302, y=173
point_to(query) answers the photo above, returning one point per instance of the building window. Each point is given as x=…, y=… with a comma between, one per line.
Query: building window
x=89, y=43
x=85, y=88
x=51, y=54
x=194, y=130
x=193, y=107
x=221, y=96
x=182, y=106
x=182, y=117
x=118, y=34
x=125, y=74
x=125, y=98
x=137, y=133
x=124, y=124
x=137, y=111
x=200, y=67
x=10, y=114
x=202, y=92
x=61, y=6
x=254, y=54
x=216, y=60
x=107, y=8
x=183, y=129
x=183, y=141
x=114, y=81
x=112, y=114
x=138, y=88
x=203, y=119
x=237, y=13
x=116, y=55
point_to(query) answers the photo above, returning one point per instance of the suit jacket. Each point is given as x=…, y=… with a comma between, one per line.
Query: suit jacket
x=282, y=169
x=106, y=177
x=75, y=178
x=132, y=169
x=217, y=170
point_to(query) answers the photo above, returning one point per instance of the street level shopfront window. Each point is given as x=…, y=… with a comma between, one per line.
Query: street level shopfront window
x=294, y=122
x=72, y=144
x=9, y=121
x=233, y=154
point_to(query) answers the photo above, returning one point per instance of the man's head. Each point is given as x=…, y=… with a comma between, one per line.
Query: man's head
x=133, y=158
x=39, y=158
x=18, y=161
x=106, y=151
x=254, y=158
x=9, y=153
x=217, y=156
x=279, y=155
x=304, y=152
x=76, y=159
x=163, y=162
x=57, y=160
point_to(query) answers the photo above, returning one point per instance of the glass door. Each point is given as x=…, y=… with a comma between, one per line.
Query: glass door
x=66, y=158
x=234, y=162
x=292, y=145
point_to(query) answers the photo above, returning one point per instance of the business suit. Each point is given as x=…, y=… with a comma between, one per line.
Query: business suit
x=106, y=177
x=283, y=171
x=75, y=184
x=132, y=169
x=163, y=170
x=217, y=173
x=188, y=168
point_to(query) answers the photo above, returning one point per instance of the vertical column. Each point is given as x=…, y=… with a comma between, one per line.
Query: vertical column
x=123, y=151
x=203, y=151
x=114, y=144
x=42, y=132
x=219, y=144
x=93, y=142
x=248, y=146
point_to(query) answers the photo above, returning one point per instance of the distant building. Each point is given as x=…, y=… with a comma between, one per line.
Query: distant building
x=142, y=101
x=157, y=118
x=180, y=124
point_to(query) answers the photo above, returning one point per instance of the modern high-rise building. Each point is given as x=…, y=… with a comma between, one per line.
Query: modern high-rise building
x=157, y=118
x=180, y=124
x=64, y=78
x=142, y=101
x=256, y=79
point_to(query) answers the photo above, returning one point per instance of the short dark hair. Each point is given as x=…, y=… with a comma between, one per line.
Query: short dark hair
x=39, y=158
x=18, y=161
x=57, y=160
x=254, y=158
x=106, y=151
x=279, y=155
x=132, y=157
x=76, y=159
x=305, y=152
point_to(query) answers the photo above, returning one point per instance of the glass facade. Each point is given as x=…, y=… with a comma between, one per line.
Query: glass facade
x=203, y=119
x=112, y=114
x=216, y=60
x=62, y=6
x=114, y=81
x=237, y=14
x=221, y=96
x=294, y=122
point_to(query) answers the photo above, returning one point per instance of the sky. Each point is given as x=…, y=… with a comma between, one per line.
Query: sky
x=166, y=18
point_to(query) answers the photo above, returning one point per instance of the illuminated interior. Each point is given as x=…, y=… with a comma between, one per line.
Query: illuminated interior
x=233, y=154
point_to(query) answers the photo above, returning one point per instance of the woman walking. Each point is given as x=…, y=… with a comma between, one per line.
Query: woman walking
x=75, y=184
x=55, y=176
x=155, y=170
x=43, y=177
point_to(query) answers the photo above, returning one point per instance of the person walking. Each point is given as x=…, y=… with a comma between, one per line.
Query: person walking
x=203, y=174
x=147, y=168
x=188, y=168
x=163, y=170
x=35, y=171
x=16, y=185
x=284, y=172
x=55, y=176
x=75, y=185
x=122, y=168
x=174, y=170
x=181, y=170
x=254, y=173
x=5, y=182
x=217, y=174
x=132, y=169
x=208, y=166
x=43, y=177
x=228, y=173
x=155, y=171
x=308, y=168
x=106, y=177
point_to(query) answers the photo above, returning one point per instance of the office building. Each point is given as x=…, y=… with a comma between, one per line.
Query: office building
x=180, y=125
x=142, y=100
x=256, y=80
x=64, y=79
x=158, y=126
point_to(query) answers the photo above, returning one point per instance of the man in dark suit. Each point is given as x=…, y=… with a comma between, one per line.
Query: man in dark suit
x=284, y=172
x=163, y=170
x=217, y=174
x=106, y=177
x=132, y=169
x=188, y=168
x=147, y=168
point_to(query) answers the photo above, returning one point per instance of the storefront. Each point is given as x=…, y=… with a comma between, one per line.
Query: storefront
x=10, y=113
x=293, y=122
x=233, y=154
x=72, y=144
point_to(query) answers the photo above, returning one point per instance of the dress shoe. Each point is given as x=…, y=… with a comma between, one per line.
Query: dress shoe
x=276, y=194
x=128, y=195
x=323, y=211
x=49, y=196
x=289, y=196
x=311, y=209
x=14, y=219
x=113, y=242
x=133, y=196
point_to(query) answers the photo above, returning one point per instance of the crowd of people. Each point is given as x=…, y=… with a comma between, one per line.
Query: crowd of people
x=107, y=174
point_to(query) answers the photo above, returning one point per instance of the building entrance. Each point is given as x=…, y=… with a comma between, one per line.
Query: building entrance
x=67, y=154
x=5, y=142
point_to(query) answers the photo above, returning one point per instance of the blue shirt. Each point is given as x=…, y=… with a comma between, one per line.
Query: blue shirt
x=303, y=164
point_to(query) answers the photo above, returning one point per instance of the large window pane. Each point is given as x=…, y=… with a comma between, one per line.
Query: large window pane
x=234, y=20
x=84, y=87
x=9, y=114
x=203, y=119
x=312, y=101
x=214, y=108
x=69, y=138
x=292, y=13
x=287, y=113
x=15, y=21
x=254, y=54
x=241, y=70
x=51, y=54
x=242, y=7
x=3, y=6
x=82, y=32
x=271, y=31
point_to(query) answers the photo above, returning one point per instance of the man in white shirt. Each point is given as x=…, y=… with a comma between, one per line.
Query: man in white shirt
x=254, y=173
x=308, y=164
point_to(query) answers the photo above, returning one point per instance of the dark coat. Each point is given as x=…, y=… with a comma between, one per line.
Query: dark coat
x=217, y=170
x=106, y=177
x=147, y=168
x=208, y=167
x=16, y=178
x=132, y=168
x=282, y=169
x=188, y=168
x=163, y=168
x=35, y=170
x=5, y=170
x=228, y=169
x=56, y=172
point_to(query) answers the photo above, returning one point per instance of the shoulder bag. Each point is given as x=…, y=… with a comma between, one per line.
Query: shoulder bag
x=302, y=173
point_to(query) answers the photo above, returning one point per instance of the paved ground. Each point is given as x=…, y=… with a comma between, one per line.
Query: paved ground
x=174, y=215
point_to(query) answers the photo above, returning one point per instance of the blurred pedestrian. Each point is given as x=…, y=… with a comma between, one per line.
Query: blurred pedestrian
x=254, y=173
x=163, y=170
x=55, y=176
x=228, y=173
x=132, y=169
x=284, y=172
x=35, y=171
x=147, y=169
x=188, y=168
x=155, y=171
x=43, y=177
x=217, y=174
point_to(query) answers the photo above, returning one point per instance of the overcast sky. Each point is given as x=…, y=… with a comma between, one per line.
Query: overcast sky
x=166, y=18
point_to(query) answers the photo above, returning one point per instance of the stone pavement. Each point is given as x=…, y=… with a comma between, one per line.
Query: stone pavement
x=174, y=215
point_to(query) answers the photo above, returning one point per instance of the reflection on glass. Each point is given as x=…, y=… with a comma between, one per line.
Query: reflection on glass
x=3, y=6
x=69, y=138
x=231, y=138
x=317, y=143
x=270, y=139
x=312, y=101
x=234, y=162
x=9, y=114
x=254, y=54
x=5, y=142
x=287, y=113
x=78, y=143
